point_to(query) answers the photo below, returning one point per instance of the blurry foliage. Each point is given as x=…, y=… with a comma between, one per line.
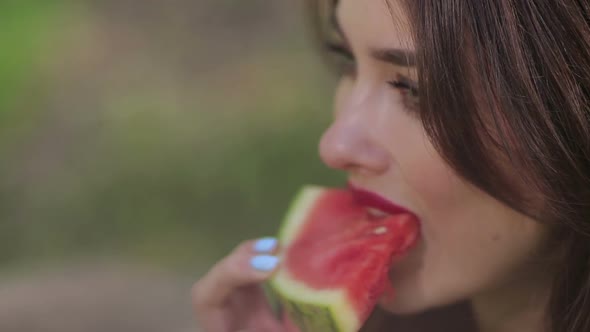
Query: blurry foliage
x=130, y=156
x=29, y=31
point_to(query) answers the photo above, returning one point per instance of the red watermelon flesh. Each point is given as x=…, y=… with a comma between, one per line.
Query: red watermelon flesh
x=342, y=246
x=331, y=242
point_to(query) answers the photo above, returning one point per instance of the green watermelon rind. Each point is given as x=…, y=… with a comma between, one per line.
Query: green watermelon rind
x=312, y=310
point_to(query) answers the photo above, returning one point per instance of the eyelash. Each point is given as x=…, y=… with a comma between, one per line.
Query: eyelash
x=407, y=89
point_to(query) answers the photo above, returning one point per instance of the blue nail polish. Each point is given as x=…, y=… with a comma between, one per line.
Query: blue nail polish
x=264, y=263
x=266, y=244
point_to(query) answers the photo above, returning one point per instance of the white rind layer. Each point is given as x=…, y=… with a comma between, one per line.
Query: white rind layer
x=297, y=213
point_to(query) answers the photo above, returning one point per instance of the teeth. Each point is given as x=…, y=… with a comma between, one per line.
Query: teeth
x=376, y=213
x=380, y=230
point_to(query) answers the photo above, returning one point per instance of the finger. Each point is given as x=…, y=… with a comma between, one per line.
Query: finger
x=240, y=268
x=265, y=245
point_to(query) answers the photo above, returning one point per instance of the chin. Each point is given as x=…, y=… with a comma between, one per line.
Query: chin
x=414, y=295
x=400, y=305
x=410, y=293
x=414, y=291
x=417, y=288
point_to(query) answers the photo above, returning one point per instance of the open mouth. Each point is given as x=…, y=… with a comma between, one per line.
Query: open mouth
x=379, y=208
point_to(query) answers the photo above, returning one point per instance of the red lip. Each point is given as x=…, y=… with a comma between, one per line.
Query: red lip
x=370, y=199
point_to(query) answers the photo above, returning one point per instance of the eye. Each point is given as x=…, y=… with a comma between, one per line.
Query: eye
x=341, y=58
x=409, y=91
x=405, y=86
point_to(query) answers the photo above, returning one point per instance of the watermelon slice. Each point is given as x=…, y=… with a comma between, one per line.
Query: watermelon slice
x=335, y=259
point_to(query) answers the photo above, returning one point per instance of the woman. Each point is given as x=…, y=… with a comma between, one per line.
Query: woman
x=474, y=115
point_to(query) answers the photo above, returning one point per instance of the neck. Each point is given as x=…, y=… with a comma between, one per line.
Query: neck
x=519, y=306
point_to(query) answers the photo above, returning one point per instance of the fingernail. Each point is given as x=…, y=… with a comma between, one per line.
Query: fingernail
x=266, y=244
x=264, y=263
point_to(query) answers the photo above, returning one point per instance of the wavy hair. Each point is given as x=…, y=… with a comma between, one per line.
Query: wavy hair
x=504, y=95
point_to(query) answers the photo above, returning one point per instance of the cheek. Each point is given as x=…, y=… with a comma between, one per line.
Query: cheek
x=461, y=218
x=471, y=241
x=432, y=185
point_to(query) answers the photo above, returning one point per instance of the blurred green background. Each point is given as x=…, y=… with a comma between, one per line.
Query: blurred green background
x=139, y=143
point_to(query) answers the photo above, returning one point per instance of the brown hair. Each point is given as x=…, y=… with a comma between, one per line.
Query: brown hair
x=505, y=98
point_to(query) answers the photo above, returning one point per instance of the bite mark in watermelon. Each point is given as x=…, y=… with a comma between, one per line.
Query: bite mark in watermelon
x=336, y=258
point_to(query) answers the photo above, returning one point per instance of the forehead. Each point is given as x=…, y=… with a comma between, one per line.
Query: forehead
x=375, y=23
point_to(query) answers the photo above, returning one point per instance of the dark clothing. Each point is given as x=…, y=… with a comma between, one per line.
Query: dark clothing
x=455, y=318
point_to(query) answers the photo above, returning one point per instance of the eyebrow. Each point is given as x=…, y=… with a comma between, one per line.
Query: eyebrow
x=393, y=56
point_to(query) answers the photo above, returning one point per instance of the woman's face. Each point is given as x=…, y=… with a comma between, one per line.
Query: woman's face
x=471, y=245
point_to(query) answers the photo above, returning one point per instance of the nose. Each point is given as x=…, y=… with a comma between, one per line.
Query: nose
x=348, y=145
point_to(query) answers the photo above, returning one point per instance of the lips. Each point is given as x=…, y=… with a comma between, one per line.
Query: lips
x=377, y=206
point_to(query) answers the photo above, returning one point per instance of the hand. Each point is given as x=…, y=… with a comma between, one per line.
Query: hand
x=230, y=298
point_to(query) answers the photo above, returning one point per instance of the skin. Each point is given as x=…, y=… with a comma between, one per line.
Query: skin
x=472, y=247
